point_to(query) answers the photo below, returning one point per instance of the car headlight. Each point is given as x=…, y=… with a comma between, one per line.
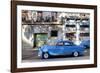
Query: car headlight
x=39, y=52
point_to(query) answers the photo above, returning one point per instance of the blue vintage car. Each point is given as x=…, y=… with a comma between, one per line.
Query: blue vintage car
x=61, y=48
x=86, y=43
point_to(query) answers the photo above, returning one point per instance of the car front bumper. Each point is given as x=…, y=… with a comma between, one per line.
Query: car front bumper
x=40, y=53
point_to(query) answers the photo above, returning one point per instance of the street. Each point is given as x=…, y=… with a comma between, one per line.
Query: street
x=30, y=55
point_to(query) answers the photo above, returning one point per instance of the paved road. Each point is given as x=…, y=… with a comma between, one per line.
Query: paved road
x=57, y=59
x=32, y=55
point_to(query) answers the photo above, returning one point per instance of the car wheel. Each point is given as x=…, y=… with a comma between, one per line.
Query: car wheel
x=75, y=54
x=45, y=55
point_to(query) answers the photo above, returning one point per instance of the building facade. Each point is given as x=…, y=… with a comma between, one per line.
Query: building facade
x=41, y=27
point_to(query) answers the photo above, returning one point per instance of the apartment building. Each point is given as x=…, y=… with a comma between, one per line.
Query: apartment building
x=40, y=27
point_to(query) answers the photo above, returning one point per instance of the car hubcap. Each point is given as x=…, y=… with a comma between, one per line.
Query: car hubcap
x=46, y=55
x=75, y=54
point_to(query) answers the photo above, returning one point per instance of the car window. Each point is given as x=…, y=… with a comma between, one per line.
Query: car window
x=60, y=43
x=67, y=44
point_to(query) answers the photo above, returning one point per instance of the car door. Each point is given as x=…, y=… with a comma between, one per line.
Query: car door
x=59, y=48
x=68, y=48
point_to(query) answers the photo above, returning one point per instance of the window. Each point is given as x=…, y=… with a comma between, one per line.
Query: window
x=84, y=34
x=69, y=34
x=54, y=33
x=67, y=44
x=60, y=43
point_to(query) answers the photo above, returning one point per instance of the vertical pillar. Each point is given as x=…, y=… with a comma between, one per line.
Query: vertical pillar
x=64, y=29
x=77, y=33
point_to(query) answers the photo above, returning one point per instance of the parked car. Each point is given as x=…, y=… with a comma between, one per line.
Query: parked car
x=61, y=48
x=86, y=43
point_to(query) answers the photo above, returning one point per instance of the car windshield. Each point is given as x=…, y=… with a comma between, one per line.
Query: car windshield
x=52, y=42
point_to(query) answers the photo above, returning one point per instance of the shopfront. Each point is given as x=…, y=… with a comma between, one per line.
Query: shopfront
x=40, y=39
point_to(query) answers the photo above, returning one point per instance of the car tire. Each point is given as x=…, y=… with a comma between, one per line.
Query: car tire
x=45, y=55
x=75, y=54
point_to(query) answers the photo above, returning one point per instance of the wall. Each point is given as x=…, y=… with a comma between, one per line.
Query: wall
x=5, y=37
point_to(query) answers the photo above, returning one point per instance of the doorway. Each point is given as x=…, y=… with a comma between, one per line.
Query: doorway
x=40, y=39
